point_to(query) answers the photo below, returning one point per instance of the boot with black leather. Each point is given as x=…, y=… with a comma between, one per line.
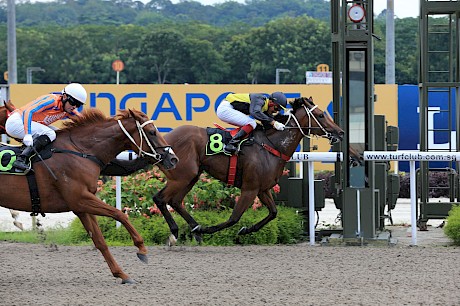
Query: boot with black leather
x=20, y=163
x=232, y=146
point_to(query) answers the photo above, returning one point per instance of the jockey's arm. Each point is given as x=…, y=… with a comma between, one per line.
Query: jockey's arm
x=255, y=108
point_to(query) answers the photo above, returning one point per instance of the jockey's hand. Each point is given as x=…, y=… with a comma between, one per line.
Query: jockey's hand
x=279, y=126
x=28, y=140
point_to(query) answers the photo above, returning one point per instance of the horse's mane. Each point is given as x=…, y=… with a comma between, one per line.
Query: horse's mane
x=91, y=116
x=298, y=102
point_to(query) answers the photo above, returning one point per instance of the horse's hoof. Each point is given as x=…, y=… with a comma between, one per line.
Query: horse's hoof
x=198, y=238
x=143, y=258
x=171, y=240
x=243, y=231
x=128, y=281
x=197, y=229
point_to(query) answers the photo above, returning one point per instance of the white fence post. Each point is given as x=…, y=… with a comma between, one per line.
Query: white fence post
x=126, y=155
x=312, y=157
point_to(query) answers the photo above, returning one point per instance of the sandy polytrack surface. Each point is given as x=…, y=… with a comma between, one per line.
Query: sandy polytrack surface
x=37, y=274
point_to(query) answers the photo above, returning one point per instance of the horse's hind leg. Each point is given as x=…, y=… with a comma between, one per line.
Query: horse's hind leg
x=246, y=199
x=267, y=199
x=15, y=215
x=91, y=226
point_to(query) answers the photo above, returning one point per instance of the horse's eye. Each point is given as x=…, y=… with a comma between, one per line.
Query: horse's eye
x=153, y=132
x=321, y=116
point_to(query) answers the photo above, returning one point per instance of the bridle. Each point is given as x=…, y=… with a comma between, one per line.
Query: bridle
x=140, y=127
x=311, y=116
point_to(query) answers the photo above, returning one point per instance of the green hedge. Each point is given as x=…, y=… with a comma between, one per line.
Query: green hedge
x=452, y=228
x=286, y=228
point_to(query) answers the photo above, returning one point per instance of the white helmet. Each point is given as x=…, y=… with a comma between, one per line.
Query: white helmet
x=76, y=91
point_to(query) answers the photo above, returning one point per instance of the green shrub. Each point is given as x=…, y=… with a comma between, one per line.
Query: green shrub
x=210, y=202
x=452, y=228
x=286, y=228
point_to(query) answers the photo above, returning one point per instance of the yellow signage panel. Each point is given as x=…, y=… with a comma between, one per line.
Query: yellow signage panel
x=171, y=106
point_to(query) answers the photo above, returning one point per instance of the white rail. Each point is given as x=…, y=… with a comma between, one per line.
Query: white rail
x=411, y=157
x=312, y=157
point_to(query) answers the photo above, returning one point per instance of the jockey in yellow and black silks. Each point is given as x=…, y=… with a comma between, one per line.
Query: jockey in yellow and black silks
x=236, y=108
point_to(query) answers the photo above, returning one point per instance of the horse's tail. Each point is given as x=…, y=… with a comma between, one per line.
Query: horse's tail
x=9, y=106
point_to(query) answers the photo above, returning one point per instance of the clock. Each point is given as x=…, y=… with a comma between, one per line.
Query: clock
x=356, y=13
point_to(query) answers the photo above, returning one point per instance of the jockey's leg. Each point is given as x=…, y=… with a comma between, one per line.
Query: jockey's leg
x=46, y=136
x=232, y=145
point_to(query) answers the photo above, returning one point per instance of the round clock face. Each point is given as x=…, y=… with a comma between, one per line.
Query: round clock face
x=356, y=13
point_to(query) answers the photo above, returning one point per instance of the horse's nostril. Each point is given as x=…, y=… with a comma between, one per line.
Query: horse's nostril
x=174, y=160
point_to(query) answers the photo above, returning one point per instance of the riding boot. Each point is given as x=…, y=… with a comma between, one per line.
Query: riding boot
x=21, y=161
x=232, y=146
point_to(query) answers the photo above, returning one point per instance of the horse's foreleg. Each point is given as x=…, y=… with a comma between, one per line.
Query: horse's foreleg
x=173, y=228
x=246, y=199
x=267, y=199
x=91, y=226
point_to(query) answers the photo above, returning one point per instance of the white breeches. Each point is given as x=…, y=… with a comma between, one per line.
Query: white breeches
x=228, y=114
x=15, y=128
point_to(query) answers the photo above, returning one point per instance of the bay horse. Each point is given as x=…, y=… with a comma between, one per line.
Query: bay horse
x=259, y=167
x=67, y=181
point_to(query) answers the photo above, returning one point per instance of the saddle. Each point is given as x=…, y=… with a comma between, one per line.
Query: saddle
x=8, y=155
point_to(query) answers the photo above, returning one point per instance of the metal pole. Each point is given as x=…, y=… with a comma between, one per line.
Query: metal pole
x=29, y=71
x=311, y=203
x=12, y=63
x=390, y=44
x=118, y=178
x=413, y=199
x=277, y=71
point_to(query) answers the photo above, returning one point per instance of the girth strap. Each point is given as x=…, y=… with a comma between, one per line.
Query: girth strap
x=34, y=194
x=84, y=155
x=232, y=170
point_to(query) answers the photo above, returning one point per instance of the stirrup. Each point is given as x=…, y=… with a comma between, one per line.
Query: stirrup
x=231, y=151
x=21, y=167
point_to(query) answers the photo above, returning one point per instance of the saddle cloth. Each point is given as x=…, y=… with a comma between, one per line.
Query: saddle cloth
x=8, y=154
x=219, y=137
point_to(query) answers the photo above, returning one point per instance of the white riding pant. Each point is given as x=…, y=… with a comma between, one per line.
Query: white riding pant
x=228, y=114
x=15, y=128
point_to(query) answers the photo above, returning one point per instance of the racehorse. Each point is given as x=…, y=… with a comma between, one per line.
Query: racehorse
x=4, y=113
x=259, y=167
x=67, y=181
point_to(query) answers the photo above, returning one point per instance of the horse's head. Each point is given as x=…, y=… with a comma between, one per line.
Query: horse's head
x=150, y=143
x=315, y=121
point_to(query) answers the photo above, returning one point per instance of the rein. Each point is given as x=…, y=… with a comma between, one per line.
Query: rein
x=140, y=128
x=310, y=115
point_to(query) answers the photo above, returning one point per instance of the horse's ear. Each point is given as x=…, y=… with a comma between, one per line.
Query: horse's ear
x=132, y=113
x=310, y=99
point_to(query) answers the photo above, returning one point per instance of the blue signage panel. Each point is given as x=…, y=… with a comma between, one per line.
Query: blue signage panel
x=439, y=122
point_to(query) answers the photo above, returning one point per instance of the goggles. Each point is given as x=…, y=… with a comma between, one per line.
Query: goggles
x=74, y=102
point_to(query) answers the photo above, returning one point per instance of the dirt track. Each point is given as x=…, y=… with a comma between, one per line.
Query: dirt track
x=249, y=275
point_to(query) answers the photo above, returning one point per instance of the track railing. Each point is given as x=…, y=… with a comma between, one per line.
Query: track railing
x=412, y=157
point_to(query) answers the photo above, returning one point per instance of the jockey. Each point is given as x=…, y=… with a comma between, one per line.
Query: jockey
x=236, y=106
x=31, y=122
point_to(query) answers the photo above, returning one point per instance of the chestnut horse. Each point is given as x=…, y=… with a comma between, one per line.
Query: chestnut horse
x=5, y=111
x=67, y=181
x=258, y=169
